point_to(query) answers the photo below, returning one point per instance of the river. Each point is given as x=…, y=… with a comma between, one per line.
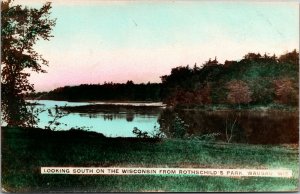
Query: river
x=119, y=120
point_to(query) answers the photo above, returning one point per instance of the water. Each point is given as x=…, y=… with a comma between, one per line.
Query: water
x=253, y=127
x=119, y=120
x=110, y=123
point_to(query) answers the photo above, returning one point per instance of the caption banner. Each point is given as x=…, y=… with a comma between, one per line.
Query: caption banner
x=168, y=171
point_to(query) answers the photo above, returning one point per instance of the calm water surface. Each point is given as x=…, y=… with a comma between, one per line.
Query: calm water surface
x=253, y=127
x=109, y=123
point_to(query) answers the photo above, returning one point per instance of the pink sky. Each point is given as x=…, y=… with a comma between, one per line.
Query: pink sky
x=141, y=41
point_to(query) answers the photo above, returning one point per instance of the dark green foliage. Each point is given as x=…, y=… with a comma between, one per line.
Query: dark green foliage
x=257, y=73
x=106, y=91
x=178, y=127
x=24, y=151
x=21, y=27
x=139, y=133
x=262, y=90
x=219, y=92
x=34, y=112
x=196, y=85
x=209, y=137
x=172, y=125
x=55, y=116
x=156, y=134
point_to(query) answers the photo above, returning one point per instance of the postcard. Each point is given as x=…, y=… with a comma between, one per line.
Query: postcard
x=149, y=96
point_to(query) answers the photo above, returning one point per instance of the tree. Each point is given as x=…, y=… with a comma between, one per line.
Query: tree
x=286, y=92
x=252, y=56
x=290, y=57
x=262, y=90
x=211, y=62
x=21, y=27
x=239, y=92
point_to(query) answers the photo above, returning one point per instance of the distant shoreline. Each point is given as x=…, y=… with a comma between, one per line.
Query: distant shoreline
x=159, y=104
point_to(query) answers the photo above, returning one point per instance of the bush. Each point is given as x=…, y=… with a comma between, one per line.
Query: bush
x=239, y=92
x=178, y=127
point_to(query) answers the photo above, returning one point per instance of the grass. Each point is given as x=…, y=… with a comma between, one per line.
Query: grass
x=24, y=151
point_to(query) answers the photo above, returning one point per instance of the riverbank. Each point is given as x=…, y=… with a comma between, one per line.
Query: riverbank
x=112, y=104
x=242, y=107
x=24, y=151
x=144, y=107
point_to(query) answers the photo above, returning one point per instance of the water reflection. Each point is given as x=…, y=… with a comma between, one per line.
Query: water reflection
x=237, y=126
x=113, y=116
x=129, y=116
x=253, y=127
x=110, y=120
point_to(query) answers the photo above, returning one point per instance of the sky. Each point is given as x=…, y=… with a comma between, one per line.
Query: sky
x=115, y=41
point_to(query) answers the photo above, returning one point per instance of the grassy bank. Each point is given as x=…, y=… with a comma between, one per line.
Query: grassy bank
x=24, y=151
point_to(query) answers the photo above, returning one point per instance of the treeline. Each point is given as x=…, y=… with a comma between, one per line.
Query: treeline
x=256, y=79
x=107, y=91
